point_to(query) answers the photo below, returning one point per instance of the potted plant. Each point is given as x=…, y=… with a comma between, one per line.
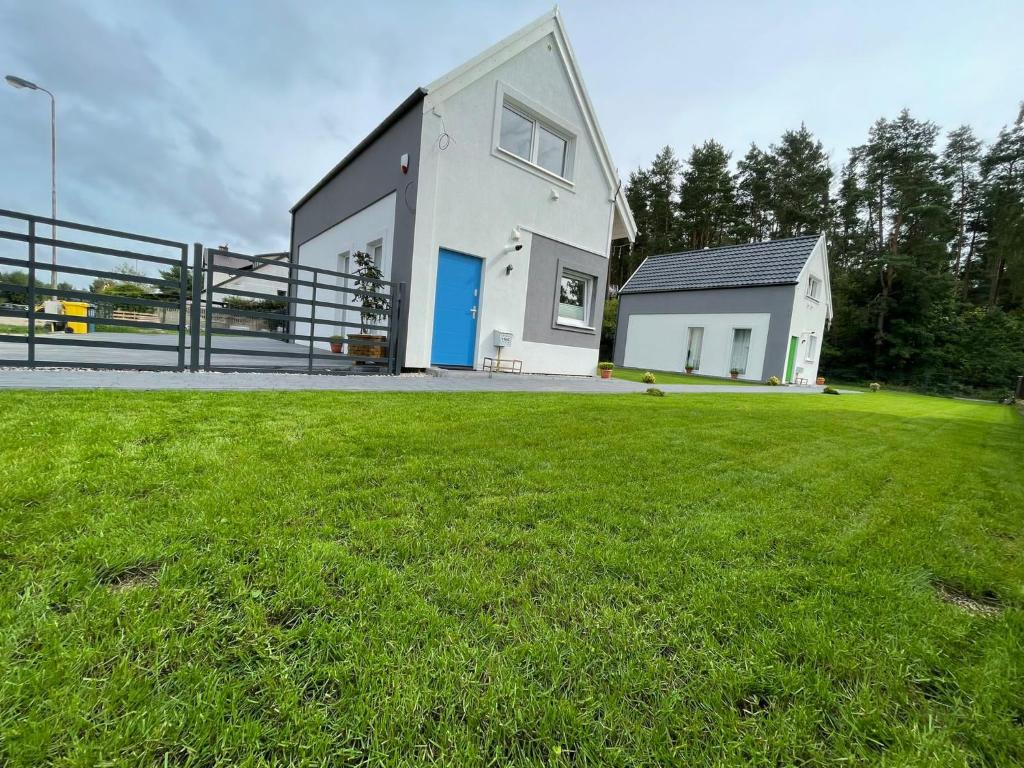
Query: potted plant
x=689, y=369
x=336, y=344
x=820, y=381
x=606, y=369
x=734, y=373
x=374, y=303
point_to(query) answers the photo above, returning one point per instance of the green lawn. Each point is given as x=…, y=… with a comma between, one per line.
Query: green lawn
x=665, y=377
x=358, y=579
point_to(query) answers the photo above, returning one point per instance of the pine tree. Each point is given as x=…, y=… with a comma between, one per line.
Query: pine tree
x=707, y=206
x=907, y=205
x=754, y=195
x=961, y=167
x=1003, y=169
x=800, y=184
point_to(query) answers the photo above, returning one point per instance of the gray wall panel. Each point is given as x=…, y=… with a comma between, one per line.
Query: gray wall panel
x=546, y=258
x=776, y=300
x=373, y=174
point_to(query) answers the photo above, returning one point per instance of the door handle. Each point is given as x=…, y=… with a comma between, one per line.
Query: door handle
x=473, y=312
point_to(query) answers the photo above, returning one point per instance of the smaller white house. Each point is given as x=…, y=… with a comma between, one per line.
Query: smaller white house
x=243, y=273
x=760, y=309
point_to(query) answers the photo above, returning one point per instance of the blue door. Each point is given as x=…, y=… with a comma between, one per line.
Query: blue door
x=456, y=305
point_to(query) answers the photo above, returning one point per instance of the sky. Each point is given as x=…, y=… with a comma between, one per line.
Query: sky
x=200, y=120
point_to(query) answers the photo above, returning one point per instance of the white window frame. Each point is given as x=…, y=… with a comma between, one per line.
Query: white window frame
x=732, y=350
x=814, y=287
x=689, y=343
x=589, y=292
x=538, y=115
x=812, y=347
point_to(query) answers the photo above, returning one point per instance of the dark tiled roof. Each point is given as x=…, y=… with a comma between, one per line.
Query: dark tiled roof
x=774, y=262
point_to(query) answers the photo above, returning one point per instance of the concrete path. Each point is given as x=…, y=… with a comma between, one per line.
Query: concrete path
x=15, y=378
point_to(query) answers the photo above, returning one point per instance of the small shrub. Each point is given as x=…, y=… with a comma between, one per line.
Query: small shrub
x=830, y=391
x=654, y=392
x=874, y=386
x=606, y=366
x=648, y=377
x=773, y=381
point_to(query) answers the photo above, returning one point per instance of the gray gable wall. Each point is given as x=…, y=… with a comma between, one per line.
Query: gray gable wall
x=775, y=262
x=370, y=173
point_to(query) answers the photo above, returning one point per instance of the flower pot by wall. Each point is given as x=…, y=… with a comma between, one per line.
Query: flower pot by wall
x=689, y=371
x=336, y=347
x=606, y=374
x=820, y=380
x=734, y=375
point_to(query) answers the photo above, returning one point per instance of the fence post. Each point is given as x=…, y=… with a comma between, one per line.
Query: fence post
x=1020, y=388
x=32, y=293
x=394, y=329
x=196, y=310
x=182, y=305
x=208, y=301
x=312, y=322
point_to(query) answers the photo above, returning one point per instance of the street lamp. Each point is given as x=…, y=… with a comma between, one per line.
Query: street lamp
x=18, y=82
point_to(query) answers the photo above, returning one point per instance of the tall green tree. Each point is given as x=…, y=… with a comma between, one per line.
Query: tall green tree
x=755, y=195
x=961, y=167
x=1003, y=171
x=707, y=205
x=801, y=181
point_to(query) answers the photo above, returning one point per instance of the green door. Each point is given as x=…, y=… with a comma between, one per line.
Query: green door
x=794, y=342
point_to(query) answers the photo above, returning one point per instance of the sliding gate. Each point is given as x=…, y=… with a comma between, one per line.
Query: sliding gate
x=77, y=296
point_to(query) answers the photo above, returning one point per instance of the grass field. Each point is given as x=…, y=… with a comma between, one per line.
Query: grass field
x=666, y=377
x=493, y=579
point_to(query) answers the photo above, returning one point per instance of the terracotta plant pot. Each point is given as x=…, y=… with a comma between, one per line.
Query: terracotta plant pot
x=605, y=374
x=734, y=375
x=689, y=371
x=820, y=380
x=336, y=347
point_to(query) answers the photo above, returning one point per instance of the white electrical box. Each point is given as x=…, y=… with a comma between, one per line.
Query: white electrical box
x=503, y=338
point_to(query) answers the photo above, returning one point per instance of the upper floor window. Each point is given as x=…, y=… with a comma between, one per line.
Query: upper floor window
x=814, y=288
x=526, y=131
x=533, y=141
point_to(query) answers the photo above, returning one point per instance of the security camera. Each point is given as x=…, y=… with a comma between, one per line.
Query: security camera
x=519, y=246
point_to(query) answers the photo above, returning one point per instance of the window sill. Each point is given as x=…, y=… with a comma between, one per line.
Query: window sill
x=574, y=328
x=811, y=298
x=510, y=157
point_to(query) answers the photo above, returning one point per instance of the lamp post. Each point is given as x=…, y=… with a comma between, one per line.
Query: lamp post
x=17, y=82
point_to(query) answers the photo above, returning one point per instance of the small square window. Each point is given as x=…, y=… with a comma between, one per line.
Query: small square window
x=575, y=293
x=814, y=288
x=516, y=133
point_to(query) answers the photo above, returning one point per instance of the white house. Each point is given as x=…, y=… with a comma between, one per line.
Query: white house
x=492, y=195
x=759, y=308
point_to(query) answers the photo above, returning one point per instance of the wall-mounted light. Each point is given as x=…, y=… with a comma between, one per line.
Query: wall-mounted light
x=508, y=269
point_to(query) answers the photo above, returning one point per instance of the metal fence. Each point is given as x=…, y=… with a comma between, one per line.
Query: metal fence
x=276, y=316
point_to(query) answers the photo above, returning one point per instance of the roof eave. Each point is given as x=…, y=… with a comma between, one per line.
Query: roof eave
x=412, y=100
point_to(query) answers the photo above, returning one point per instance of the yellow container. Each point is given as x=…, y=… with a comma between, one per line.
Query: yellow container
x=77, y=309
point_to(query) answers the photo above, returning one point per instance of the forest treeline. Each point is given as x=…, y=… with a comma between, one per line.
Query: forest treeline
x=925, y=233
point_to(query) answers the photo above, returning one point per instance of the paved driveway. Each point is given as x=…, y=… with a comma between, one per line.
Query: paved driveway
x=451, y=382
x=65, y=348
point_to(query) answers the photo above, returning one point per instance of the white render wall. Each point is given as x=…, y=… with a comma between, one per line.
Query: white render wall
x=809, y=316
x=375, y=222
x=469, y=200
x=658, y=342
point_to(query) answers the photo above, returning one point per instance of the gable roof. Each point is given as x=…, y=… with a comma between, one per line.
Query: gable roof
x=773, y=262
x=458, y=78
x=549, y=23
